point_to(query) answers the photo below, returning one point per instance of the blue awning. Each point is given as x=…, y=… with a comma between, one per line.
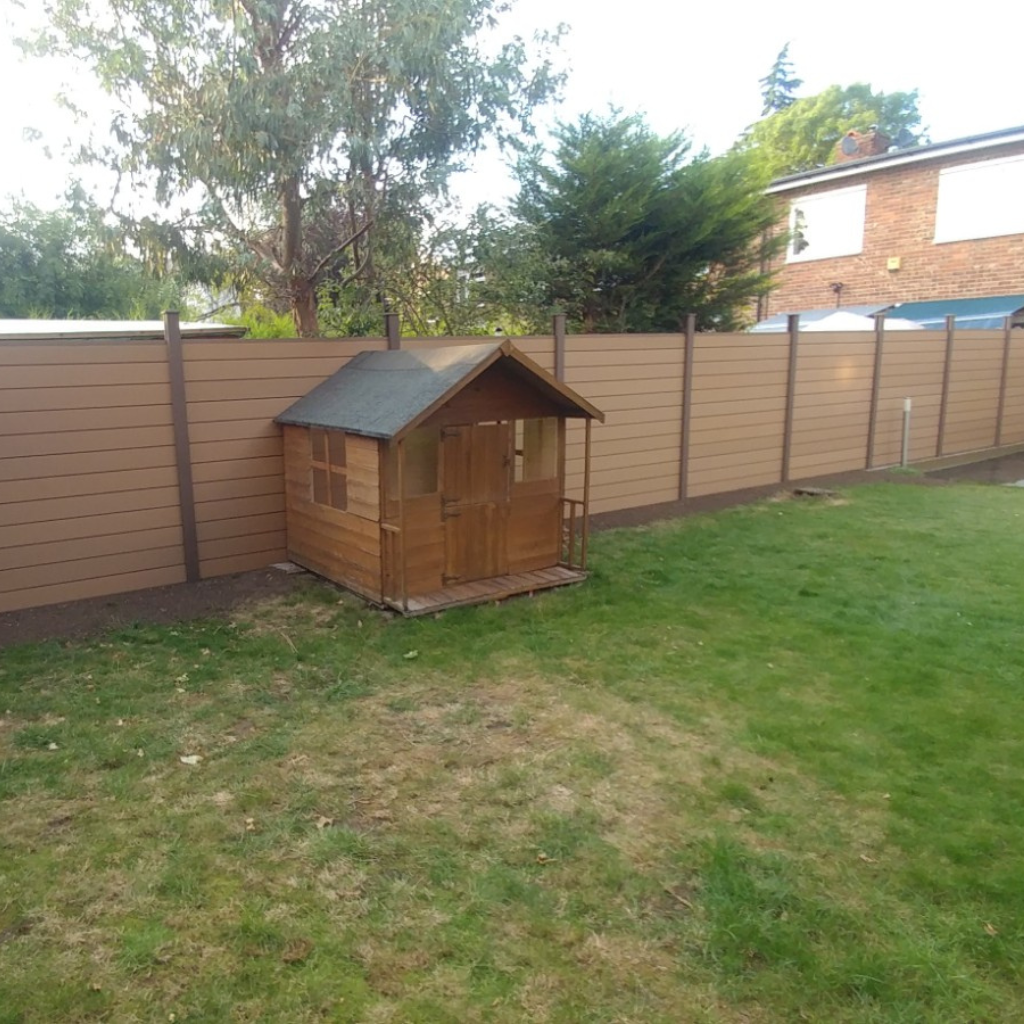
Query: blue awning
x=780, y=321
x=971, y=314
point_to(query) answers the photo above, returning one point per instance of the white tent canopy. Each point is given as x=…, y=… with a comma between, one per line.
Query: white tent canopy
x=841, y=320
x=833, y=320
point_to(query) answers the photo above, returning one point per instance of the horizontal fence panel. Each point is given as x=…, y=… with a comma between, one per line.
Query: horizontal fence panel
x=579, y=361
x=82, y=418
x=217, y=412
x=667, y=386
x=243, y=544
x=268, y=522
x=583, y=378
x=239, y=508
x=248, y=390
x=74, y=420
x=220, y=490
x=626, y=497
x=754, y=476
x=82, y=375
x=211, y=567
x=103, y=586
x=100, y=397
x=231, y=370
x=576, y=344
x=242, y=448
x=109, y=442
x=249, y=349
x=90, y=568
x=44, y=466
x=236, y=469
x=13, y=513
x=75, y=549
x=833, y=461
x=233, y=430
x=35, y=353
x=116, y=523
x=88, y=485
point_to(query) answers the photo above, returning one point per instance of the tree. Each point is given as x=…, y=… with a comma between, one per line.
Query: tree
x=296, y=126
x=804, y=134
x=779, y=85
x=70, y=263
x=629, y=234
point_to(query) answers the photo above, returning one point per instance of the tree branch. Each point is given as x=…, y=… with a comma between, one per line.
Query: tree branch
x=319, y=268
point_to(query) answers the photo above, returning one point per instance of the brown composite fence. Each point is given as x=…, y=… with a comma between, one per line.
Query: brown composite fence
x=130, y=464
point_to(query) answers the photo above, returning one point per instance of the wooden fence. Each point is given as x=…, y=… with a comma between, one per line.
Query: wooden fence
x=132, y=464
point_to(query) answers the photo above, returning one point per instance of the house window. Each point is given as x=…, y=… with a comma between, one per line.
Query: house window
x=328, y=472
x=826, y=225
x=536, y=443
x=980, y=200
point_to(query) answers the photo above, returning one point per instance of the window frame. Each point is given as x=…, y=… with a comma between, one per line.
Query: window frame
x=855, y=198
x=961, y=202
x=333, y=466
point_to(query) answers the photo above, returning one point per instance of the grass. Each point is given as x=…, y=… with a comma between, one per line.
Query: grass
x=765, y=766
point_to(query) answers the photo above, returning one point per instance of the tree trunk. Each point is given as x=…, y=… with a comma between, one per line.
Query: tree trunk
x=303, y=297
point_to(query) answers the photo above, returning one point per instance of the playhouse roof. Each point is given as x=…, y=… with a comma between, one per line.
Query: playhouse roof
x=387, y=394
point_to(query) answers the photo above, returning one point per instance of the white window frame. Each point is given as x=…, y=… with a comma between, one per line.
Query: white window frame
x=841, y=213
x=980, y=200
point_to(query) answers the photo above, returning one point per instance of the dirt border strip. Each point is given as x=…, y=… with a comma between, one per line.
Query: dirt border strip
x=182, y=602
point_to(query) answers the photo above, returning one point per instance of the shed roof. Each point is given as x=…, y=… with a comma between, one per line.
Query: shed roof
x=387, y=394
x=113, y=330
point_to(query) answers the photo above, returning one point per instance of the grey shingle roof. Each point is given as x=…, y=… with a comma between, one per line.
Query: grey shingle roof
x=378, y=393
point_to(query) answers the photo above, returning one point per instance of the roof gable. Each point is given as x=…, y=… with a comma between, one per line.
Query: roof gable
x=387, y=394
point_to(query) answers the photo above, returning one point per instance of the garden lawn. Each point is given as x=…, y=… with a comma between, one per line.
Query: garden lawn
x=765, y=765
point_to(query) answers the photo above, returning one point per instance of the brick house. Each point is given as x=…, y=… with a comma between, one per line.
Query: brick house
x=882, y=226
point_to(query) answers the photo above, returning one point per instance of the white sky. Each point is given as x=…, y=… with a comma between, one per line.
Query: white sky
x=694, y=67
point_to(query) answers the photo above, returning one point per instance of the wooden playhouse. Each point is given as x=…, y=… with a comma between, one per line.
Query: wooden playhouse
x=436, y=477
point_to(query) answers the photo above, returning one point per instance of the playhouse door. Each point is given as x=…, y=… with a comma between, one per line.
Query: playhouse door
x=476, y=479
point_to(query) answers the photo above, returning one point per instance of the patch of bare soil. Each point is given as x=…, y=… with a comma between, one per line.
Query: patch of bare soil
x=179, y=602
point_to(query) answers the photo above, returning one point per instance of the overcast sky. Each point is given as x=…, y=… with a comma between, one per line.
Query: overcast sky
x=686, y=66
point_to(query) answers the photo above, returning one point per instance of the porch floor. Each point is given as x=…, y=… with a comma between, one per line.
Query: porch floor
x=494, y=589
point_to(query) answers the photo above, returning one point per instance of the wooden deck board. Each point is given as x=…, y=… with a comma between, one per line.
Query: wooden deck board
x=495, y=589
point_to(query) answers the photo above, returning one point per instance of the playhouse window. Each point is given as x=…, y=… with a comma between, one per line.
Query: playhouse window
x=328, y=472
x=419, y=471
x=536, y=449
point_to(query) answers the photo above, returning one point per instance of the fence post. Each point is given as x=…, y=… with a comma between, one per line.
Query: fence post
x=793, y=324
x=558, y=328
x=182, y=449
x=946, y=370
x=393, y=330
x=876, y=388
x=689, y=341
x=1007, y=328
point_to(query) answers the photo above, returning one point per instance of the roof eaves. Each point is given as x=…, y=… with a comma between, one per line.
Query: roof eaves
x=920, y=154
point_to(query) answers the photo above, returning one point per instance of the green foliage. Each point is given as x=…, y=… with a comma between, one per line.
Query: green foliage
x=763, y=763
x=297, y=125
x=804, y=134
x=71, y=263
x=778, y=86
x=626, y=233
x=262, y=322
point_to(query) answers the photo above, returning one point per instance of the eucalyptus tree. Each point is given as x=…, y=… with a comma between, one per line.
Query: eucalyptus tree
x=285, y=131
